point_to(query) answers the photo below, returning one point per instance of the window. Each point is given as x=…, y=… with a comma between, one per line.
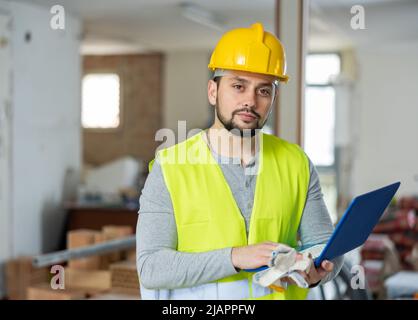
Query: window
x=320, y=107
x=100, y=101
x=319, y=125
x=319, y=122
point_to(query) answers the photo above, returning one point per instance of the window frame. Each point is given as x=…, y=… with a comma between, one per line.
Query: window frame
x=119, y=128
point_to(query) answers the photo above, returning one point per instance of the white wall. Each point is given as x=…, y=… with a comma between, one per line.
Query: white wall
x=5, y=154
x=45, y=127
x=185, y=89
x=386, y=143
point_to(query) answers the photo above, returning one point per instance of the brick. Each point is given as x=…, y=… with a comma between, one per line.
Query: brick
x=81, y=238
x=142, y=108
x=125, y=277
x=112, y=232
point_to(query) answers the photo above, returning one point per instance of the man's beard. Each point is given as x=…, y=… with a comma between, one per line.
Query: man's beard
x=234, y=128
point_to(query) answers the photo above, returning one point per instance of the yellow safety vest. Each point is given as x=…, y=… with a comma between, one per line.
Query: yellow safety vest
x=208, y=218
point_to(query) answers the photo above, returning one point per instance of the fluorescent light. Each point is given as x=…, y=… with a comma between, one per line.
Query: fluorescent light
x=202, y=16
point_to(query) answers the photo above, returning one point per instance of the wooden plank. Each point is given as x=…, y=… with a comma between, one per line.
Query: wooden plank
x=45, y=292
x=88, y=279
x=20, y=274
x=126, y=291
x=117, y=295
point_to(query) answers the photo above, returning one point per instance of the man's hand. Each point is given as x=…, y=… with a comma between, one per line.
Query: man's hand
x=253, y=256
x=315, y=274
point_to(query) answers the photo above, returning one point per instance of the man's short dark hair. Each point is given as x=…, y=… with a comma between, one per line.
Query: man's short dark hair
x=217, y=81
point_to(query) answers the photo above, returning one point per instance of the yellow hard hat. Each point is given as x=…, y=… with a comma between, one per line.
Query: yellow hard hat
x=250, y=49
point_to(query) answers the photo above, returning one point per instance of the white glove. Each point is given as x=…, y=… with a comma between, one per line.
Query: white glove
x=286, y=263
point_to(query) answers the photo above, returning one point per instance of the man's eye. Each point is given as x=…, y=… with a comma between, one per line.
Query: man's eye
x=238, y=86
x=265, y=92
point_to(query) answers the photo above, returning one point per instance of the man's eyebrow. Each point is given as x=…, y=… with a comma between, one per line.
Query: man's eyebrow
x=237, y=78
x=264, y=84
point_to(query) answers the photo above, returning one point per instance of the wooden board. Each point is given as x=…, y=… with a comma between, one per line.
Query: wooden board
x=20, y=274
x=88, y=279
x=116, y=295
x=45, y=292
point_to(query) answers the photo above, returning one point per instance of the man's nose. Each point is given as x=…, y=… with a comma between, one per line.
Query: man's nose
x=249, y=99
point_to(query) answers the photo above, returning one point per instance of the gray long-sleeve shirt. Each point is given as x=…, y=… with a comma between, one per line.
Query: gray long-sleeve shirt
x=160, y=266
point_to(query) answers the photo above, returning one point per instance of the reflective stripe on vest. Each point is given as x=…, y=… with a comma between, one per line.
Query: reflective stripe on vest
x=232, y=290
x=208, y=218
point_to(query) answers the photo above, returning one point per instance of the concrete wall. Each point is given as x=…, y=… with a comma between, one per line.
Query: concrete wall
x=5, y=151
x=385, y=148
x=46, y=140
x=185, y=90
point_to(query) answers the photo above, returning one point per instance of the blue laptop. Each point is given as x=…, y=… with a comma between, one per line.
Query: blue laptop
x=357, y=223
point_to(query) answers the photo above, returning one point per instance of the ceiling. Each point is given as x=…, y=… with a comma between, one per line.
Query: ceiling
x=116, y=26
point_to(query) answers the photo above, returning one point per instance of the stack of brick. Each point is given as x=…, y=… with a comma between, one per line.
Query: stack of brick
x=84, y=277
x=20, y=275
x=85, y=237
x=81, y=238
x=413, y=257
x=112, y=233
x=380, y=260
x=393, y=245
x=402, y=228
x=92, y=273
x=125, y=278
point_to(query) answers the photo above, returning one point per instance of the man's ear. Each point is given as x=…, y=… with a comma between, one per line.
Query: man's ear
x=212, y=92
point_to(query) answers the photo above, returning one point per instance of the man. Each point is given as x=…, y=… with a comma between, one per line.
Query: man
x=205, y=219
